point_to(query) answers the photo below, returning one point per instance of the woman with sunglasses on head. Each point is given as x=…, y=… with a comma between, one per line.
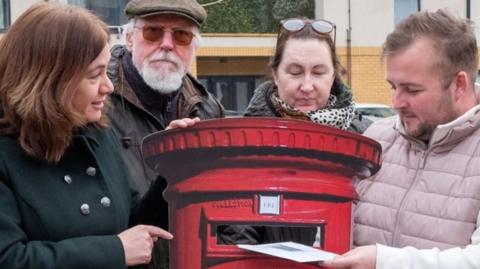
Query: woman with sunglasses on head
x=65, y=199
x=306, y=85
x=306, y=79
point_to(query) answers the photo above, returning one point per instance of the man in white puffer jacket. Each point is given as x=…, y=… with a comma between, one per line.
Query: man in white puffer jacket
x=421, y=210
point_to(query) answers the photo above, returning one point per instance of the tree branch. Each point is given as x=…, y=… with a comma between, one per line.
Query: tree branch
x=212, y=3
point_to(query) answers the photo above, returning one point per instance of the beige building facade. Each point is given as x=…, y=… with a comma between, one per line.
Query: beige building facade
x=232, y=65
x=370, y=22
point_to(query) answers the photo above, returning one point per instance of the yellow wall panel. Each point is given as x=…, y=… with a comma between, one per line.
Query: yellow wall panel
x=224, y=66
x=234, y=51
x=367, y=71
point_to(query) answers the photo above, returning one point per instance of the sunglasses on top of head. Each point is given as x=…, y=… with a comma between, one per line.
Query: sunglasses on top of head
x=320, y=26
x=155, y=33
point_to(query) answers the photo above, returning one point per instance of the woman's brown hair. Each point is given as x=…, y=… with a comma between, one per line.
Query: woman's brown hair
x=306, y=33
x=43, y=57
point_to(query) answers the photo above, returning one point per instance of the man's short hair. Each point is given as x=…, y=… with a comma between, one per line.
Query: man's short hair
x=453, y=39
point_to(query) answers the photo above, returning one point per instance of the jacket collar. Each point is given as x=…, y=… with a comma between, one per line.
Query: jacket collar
x=447, y=135
x=88, y=133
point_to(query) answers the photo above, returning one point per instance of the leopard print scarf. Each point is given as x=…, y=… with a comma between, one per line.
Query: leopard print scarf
x=330, y=115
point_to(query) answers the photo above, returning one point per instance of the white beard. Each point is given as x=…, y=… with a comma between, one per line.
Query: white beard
x=162, y=79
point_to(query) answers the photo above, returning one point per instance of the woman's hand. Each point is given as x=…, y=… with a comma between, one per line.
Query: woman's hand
x=138, y=243
x=182, y=123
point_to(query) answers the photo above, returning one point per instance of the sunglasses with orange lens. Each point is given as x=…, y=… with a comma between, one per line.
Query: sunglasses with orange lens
x=155, y=33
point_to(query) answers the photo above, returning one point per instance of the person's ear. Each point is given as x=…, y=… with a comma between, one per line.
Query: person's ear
x=129, y=41
x=460, y=84
x=274, y=75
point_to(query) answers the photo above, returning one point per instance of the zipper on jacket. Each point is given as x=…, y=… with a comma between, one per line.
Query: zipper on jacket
x=421, y=165
x=169, y=105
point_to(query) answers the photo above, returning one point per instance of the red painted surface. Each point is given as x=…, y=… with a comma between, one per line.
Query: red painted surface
x=217, y=169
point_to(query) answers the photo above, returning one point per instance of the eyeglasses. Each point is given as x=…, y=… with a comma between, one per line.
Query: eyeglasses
x=156, y=33
x=320, y=26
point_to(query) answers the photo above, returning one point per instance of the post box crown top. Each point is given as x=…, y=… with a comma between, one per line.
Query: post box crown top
x=260, y=134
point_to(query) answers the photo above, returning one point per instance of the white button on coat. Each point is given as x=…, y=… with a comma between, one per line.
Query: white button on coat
x=105, y=201
x=67, y=179
x=91, y=171
x=85, y=209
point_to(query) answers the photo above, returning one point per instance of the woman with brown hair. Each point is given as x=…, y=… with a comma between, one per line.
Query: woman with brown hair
x=307, y=82
x=65, y=200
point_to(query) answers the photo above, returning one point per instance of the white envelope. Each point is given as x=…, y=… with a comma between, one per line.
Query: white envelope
x=291, y=251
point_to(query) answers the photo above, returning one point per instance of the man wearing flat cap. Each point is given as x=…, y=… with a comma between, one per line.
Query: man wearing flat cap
x=153, y=89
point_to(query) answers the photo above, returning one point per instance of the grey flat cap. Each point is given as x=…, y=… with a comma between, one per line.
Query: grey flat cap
x=189, y=9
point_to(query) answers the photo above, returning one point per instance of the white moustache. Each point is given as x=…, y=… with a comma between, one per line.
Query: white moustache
x=163, y=56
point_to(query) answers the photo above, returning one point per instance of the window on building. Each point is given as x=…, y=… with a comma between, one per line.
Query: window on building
x=403, y=8
x=234, y=92
x=4, y=14
x=110, y=11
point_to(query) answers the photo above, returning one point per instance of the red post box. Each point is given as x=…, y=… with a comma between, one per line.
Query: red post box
x=260, y=172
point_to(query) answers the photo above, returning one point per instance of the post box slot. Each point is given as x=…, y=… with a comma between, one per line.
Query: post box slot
x=232, y=234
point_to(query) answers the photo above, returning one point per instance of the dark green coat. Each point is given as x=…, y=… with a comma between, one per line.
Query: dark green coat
x=42, y=225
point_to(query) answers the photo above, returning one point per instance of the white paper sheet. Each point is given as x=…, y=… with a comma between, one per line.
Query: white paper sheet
x=291, y=251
